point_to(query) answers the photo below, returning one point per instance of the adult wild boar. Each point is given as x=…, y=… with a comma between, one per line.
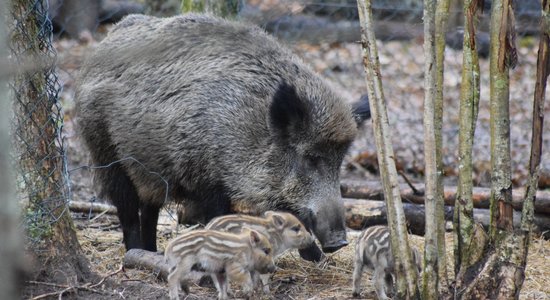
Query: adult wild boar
x=219, y=110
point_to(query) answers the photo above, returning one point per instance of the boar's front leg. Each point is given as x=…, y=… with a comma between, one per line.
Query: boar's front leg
x=149, y=220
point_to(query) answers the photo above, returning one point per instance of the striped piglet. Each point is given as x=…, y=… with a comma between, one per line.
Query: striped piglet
x=283, y=230
x=373, y=250
x=221, y=255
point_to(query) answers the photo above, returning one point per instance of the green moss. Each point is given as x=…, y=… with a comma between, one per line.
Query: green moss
x=35, y=224
x=527, y=41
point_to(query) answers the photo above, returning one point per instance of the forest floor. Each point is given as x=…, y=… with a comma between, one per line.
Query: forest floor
x=402, y=69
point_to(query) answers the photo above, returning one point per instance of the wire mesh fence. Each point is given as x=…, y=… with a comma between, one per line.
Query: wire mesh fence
x=42, y=178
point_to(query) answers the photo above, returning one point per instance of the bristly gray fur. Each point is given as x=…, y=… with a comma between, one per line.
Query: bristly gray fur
x=221, y=111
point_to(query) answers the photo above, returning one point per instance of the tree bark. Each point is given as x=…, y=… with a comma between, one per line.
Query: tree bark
x=221, y=8
x=469, y=104
x=441, y=20
x=543, y=70
x=405, y=271
x=503, y=56
x=430, y=279
x=502, y=270
x=42, y=170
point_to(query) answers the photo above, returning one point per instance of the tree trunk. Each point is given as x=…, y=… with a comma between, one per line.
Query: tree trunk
x=502, y=271
x=441, y=20
x=469, y=104
x=430, y=279
x=221, y=8
x=165, y=8
x=543, y=70
x=39, y=147
x=405, y=271
x=503, y=56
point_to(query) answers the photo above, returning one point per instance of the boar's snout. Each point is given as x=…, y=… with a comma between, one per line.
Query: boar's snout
x=329, y=228
x=333, y=246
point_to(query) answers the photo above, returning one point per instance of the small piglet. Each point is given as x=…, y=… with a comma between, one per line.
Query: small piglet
x=373, y=250
x=219, y=254
x=283, y=230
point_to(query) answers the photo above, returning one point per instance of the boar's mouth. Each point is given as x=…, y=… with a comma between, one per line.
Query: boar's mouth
x=334, y=246
x=330, y=241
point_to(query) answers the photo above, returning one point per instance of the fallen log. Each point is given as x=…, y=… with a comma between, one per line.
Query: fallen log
x=373, y=190
x=143, y=259
x=361, y=214
x=91, y=207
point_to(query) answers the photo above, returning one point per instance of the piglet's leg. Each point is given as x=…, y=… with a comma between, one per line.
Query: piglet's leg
x=379, y=278
x=357, y=273
x=264, y=280
x=173, y=287
x=243, y=277
x=220, y=281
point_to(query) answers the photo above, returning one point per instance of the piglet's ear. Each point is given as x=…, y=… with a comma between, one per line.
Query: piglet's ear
x=288, y=114
x=278, y=221
x=254, y=237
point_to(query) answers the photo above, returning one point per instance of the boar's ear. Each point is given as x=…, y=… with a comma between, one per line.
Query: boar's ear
x=288, y=113
x=361, y=110
x=254, y=237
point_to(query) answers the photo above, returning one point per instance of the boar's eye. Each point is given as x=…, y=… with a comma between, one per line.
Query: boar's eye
x=296, y=228
x=313, y=160
x=266, y=251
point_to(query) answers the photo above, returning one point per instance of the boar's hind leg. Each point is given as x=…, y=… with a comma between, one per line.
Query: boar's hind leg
x=122, y=192
x=149, y=220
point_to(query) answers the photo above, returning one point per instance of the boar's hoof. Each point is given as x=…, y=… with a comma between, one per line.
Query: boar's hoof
x=311, y=253
x=332, y=247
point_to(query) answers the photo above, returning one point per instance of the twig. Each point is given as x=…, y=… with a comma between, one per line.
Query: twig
x=121, y=269
x=130, y=280
x=413, y=188
x=99, y=215
x=66, y=288
x=359, y=167
x=52, y=294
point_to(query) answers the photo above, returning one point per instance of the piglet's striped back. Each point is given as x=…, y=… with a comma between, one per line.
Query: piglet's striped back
x=215, y=244
x=374, y=244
